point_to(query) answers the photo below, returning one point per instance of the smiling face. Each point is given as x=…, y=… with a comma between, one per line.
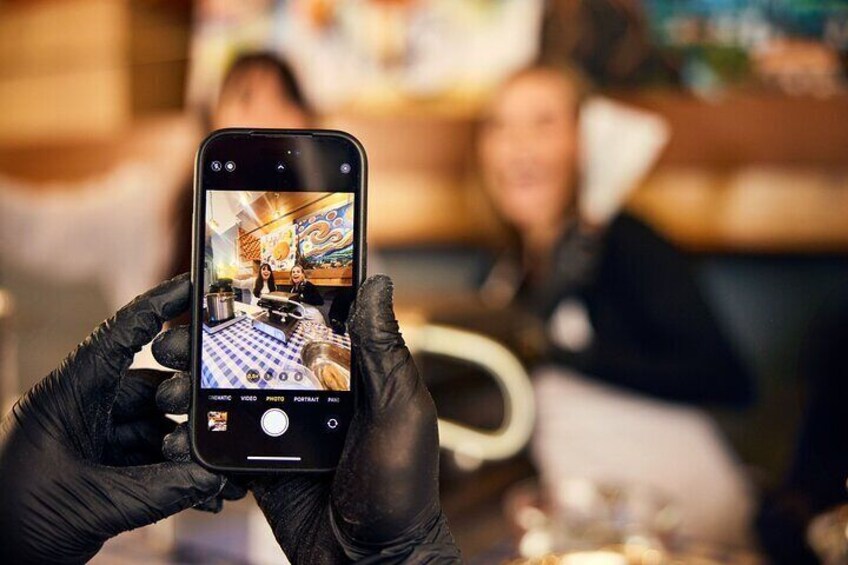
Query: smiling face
x=297, y=274
x=265, y=271
x=528, y=150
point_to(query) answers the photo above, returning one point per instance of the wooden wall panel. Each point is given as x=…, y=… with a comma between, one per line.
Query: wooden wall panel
x=744, y=128
x=63, y=73
x=710, y=192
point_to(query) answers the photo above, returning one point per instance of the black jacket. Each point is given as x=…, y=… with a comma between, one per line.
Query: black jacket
x=307, y=293
x=653, y=331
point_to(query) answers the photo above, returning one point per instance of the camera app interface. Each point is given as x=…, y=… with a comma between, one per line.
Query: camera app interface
x=277, y=289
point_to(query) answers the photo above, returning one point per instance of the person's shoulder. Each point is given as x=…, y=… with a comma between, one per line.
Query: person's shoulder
x=633, y=244
x=627, y=230
x=626, y=223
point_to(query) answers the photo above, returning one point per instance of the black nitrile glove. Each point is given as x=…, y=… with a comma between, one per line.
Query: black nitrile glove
x=382, y=503
x=80, y=453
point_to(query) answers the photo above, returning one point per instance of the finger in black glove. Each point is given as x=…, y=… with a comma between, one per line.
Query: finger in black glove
x=382, y=503
x=79, y=452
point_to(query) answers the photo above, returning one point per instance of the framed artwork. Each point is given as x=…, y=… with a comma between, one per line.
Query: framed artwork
x=278, y=248
x=325, y=238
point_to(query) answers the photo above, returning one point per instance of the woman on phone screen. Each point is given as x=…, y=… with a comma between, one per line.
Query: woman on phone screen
x=264, y=281
x=304, y=291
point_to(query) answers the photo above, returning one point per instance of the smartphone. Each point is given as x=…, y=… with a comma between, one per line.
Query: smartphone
x=278, y=254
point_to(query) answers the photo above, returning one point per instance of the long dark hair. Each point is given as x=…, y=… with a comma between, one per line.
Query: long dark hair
x=257, y=286
x=285, y=75
x=291, y=88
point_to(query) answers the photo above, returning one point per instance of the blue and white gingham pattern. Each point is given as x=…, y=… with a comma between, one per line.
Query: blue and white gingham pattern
x=229, y=353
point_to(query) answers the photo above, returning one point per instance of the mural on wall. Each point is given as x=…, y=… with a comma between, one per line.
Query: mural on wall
x=278, y=248
x=325, y=238
x=249, y=247
x=371, y=48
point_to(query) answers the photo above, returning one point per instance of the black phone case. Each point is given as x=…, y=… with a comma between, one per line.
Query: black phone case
x=196, y=303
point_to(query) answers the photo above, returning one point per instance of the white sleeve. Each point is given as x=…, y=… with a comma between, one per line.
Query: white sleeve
x=113, y=229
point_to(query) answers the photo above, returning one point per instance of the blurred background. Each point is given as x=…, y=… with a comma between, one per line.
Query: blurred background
x=639, y=204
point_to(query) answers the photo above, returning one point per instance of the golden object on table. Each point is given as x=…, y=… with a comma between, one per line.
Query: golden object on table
x=329, y=362
x=332, y=377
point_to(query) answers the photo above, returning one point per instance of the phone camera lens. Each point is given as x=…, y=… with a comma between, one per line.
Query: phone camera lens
x=215, y=166
x=345, y=168
x=230, y=166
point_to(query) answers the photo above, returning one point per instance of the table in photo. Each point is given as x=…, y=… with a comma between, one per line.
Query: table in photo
x=230, y=353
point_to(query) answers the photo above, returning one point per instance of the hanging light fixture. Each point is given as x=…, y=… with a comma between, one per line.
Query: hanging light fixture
x=212, y=223
x=277, y=206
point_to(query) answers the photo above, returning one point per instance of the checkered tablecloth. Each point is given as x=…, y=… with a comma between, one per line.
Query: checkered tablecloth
x=230, y=353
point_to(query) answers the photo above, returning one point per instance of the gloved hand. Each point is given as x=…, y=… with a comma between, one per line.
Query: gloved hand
x=382, y=502
x=80, y=453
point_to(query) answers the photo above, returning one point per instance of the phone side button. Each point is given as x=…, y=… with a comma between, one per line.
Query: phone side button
x=274, y=422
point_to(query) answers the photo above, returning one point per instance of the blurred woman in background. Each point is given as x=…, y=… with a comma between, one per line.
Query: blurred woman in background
x=627, y=328
x=152, y=240
x=259, y=90
x=649, y=328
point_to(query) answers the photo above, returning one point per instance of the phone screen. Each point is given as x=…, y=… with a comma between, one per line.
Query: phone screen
x=277, y=263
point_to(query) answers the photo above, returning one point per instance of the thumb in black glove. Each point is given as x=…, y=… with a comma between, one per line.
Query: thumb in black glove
x=382, y=503
x=80, y=453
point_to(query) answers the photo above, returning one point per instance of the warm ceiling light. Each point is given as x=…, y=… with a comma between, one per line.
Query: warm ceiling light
x=211, y=222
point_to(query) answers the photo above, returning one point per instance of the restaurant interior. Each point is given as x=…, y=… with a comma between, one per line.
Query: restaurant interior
x=255, y=317
x=707, y=160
